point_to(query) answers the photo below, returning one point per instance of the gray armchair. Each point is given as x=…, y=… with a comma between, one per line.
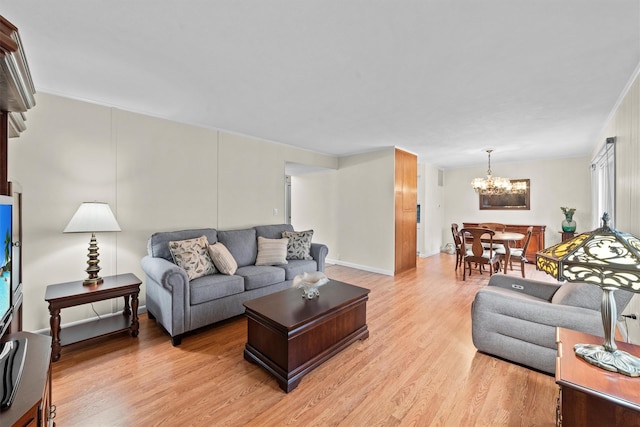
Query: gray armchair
x=515, y=318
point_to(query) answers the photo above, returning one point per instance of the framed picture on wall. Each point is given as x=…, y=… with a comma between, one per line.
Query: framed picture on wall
x=519, y=201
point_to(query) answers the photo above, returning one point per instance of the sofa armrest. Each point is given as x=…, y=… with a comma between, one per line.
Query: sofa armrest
x=522, y=328
x=167, y=294
x=165, y=273
x=510, y=304
x=535, y=288
x=319, y=253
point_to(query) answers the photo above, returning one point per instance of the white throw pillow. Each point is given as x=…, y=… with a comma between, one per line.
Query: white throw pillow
x=222, y=258
x=272, y=251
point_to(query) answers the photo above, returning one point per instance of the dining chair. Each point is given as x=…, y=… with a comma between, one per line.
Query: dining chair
x=457, y=241
x=477, y=253
x=519, y=253
x=495, y=226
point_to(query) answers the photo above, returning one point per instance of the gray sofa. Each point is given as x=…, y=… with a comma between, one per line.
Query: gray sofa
x=181, y=305
x=515, y=318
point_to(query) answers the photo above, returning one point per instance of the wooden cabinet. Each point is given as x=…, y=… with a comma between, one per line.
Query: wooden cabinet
x=537, y=238
x=591, y=396
x=32, y=403
x=406, y=207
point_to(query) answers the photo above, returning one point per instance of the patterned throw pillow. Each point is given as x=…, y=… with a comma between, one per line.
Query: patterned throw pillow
x=272, y=251
x=299, y=246
x=191, y=255
x=222, y=259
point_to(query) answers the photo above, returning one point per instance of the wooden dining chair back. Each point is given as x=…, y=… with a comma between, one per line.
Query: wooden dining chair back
x=495, y=226
x=519, y=254
x=476, y=253
x=457, y=242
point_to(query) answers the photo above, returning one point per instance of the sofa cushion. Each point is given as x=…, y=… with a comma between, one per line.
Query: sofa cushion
x=578, y=295
x=273, y=231
x=192, y=256
x=299, y=244
x=298, y=266
x=260, y=276
x=158, y=243
x=586, y=295
x=242, y=244
x=214, y=286
x=272, y=251
x=222, y=259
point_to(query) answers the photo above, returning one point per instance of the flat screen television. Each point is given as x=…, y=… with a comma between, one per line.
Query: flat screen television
x=6, y=245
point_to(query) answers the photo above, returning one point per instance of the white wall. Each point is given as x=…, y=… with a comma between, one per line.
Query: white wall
x=365, y=209
x=160, y=185
x=554, y=183
x=625, y=126
x=433, y=211
x=155, y=174
x=313, y=207
x=65, y=157
x=251, y=183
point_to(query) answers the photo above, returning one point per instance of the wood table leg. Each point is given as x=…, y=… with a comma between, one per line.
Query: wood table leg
x=135, y=325
x=54, y=322
x=126, y=311
x=507, y=256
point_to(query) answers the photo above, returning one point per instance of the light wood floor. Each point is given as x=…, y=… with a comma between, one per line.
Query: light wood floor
x=418, y=367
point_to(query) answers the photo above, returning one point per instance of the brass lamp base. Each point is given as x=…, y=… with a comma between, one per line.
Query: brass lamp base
x=93, y=261
x=614, y=361
x=92, y=281
x=607, y=356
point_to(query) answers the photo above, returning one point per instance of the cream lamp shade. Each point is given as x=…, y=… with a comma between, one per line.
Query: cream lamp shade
x=92, y=217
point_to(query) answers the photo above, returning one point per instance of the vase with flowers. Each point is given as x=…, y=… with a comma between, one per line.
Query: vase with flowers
x=568, y=224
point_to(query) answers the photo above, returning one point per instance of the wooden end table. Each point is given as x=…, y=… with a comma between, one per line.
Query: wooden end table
x=71, y=294
x=589, y=395
x=289, y=335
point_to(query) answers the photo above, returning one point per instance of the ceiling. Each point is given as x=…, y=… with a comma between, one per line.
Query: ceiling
x=532, y=79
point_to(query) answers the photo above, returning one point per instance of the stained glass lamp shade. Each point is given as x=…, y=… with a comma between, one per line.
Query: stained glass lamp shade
x=607, y=258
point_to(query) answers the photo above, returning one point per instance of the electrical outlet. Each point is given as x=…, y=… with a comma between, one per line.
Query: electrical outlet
x=275, y=211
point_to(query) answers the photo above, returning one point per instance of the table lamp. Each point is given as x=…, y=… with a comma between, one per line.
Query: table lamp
x=92, y=217
x=611, y=260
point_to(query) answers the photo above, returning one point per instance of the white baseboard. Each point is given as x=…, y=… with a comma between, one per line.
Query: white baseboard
x=359, y=267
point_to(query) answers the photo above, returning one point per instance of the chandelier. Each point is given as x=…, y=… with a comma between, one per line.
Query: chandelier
x=494, y=185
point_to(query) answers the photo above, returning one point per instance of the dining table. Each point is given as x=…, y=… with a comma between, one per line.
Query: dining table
x=505, y=238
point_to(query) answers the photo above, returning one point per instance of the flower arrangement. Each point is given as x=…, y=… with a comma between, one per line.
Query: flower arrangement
x=568, y=211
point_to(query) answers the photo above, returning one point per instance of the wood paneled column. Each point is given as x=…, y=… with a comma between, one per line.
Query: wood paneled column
x=406, y=207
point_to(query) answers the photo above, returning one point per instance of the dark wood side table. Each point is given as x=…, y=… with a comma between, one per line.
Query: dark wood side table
x=589, y=395
x=566, y=235
x=70, y=294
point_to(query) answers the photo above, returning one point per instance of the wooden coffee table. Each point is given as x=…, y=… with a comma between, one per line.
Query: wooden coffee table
x=289, y=336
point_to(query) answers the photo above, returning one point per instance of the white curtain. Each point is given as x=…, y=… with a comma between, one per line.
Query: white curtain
x=603, y=184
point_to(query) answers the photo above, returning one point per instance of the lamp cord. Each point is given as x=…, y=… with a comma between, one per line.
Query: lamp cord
x=100, y=318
